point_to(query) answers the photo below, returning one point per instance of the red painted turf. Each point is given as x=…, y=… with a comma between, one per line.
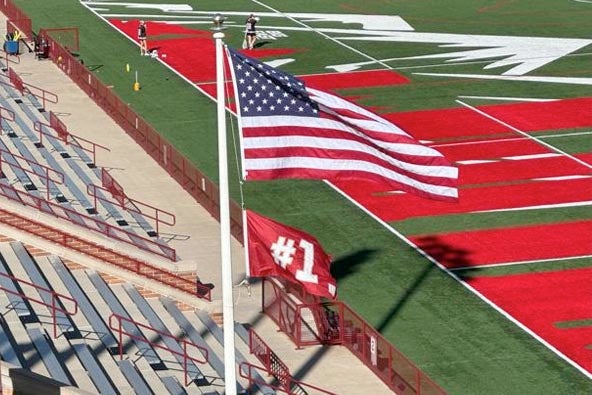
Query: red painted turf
x=522, y=243
x=401, y=206
x=514, y=170
x=490, y=149
x=541, y=300
x=193, y=55
x=527, y=117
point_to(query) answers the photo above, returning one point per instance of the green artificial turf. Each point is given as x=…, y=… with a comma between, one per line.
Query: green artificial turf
x=460, y=341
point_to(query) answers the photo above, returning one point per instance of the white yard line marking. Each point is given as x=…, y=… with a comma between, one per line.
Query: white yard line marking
x=526, y=99
x=563, y=178
x=365, y=55
x=519, y=78
x=502, y=140
x=503, y=264
x=551, y=147
x=531, y=156
x=539, y=207
x=465, y=284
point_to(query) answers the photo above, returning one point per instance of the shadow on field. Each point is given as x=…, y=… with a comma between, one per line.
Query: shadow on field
x=445, y=254
x=348, y=264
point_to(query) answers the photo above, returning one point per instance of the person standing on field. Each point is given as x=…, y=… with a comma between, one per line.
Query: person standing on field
x=251, y=31
x=142, y=38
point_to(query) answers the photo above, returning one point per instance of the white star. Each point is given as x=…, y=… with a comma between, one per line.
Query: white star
x=245, y=109
x=257, y=94
x=285, y=94
x=286, y=108
x=292, y=101
x=241, y=81
x=264, y=101
x=255, y=80
x=243, y=94
x=258, y=108
x=251, y=101
x=272, y=108
x=279, y=101
x=270, y=94
x=249, y=88
x=300, y=109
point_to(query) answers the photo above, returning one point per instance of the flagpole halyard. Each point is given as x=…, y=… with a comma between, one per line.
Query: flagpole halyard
x=225, y=251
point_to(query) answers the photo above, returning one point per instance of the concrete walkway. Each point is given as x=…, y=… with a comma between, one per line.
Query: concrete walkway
x=195, y=235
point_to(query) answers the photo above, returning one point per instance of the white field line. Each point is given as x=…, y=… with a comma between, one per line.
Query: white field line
x=464, y=284
x=527, y=99
x=502, y=140
x=158, y=59
x=520, y=262
x=551, y=147
x=539, y=207
x=365, y=55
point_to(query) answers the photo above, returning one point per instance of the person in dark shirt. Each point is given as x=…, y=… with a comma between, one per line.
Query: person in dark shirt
x=142, y=38
x=251, y=31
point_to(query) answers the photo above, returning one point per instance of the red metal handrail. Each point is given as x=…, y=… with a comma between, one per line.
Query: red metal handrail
x=11, y=114
x=90, y=223
x=380, y=356
x=55, y=297
x=186, y=358
x=69, y=139
x=249, y=376
x=32, y=163
x=274, y=366
x=22, y=87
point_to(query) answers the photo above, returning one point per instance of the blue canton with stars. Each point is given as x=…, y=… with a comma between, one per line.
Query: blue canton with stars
x=266, y=91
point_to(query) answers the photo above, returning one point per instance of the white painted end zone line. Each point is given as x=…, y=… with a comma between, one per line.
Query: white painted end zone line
x=543, y=206
x=551, y=147
x=502, y=264
x=525, y=99
x=464, y=284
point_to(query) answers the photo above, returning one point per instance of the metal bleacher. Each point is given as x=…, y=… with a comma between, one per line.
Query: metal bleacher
x=85, y=352
x=45, y=148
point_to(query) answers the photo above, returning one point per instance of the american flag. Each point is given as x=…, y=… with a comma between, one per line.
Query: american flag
x=292, y=131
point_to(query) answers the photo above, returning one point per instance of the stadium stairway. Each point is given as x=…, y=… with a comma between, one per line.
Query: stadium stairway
x=195, y=237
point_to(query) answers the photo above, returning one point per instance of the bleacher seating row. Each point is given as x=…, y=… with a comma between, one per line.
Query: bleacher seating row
x=34, y=159
x=146, y=356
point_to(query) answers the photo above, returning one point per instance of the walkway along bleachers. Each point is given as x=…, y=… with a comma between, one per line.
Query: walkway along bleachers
x=85, y=350
x=31, y=138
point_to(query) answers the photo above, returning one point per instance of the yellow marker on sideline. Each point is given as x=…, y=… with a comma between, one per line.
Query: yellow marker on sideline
x=127, y=67
x=136, y=84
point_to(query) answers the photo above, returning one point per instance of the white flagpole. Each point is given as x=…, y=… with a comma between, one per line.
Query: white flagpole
x=226, y=258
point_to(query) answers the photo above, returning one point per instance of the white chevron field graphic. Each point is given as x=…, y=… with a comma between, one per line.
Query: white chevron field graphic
x=518, y=54
x=525, y=78
x=526, y=53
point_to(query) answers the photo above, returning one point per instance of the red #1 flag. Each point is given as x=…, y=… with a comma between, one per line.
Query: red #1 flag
x=275, y=249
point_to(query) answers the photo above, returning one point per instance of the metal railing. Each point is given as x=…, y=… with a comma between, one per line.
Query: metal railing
x=274, y=366
x=336, y=323
x=23, y=88
x=47, y=170
x=125, y=202
x=55, y=299
x=182, y=342
x=88, y=222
